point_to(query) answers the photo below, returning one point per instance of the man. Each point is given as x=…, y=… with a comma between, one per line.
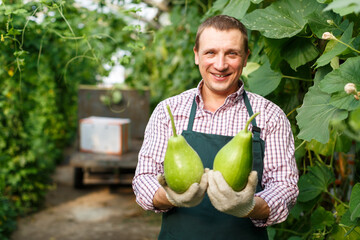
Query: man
x=208, y=116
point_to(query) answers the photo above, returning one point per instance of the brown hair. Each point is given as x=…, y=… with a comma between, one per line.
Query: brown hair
x=222, y=23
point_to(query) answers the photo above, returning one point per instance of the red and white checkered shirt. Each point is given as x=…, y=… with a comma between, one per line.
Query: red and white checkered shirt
x=280, y=174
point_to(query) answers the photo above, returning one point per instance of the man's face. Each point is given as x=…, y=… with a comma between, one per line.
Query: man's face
x=221, y=58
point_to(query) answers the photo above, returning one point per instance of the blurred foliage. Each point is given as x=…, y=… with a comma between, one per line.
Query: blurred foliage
x=166, y=64
x=50, y=46
x=47, y=49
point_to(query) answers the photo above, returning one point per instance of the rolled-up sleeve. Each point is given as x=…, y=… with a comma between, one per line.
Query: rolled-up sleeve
x=150, y=159
x=280, y=174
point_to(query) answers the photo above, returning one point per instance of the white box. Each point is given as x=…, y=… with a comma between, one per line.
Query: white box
x=105, y=135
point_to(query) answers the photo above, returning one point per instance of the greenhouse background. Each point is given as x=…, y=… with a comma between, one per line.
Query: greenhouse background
x=303, y=54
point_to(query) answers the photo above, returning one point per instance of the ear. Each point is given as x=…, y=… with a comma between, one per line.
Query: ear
x=246, y=58
x=196, y=56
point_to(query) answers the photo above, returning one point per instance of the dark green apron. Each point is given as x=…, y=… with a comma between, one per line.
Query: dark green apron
x=204, y=221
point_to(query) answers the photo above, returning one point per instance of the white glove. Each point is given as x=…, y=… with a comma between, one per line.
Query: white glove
x=191, y=197
x=226, y=200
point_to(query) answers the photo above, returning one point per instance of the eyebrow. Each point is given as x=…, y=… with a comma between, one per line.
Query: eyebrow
x=234, y=50
x=228, y=50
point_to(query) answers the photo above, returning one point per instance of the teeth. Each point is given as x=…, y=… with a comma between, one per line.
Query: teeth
x=219, y=75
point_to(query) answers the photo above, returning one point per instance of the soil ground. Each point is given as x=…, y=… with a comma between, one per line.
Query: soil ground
x=95, y=212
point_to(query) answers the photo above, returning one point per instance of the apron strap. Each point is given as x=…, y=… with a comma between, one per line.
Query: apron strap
x=256, y=130
x=258, y=143
x=192, y=115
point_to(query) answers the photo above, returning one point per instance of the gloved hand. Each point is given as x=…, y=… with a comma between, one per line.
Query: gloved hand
x=191, y=197
x=226, y=200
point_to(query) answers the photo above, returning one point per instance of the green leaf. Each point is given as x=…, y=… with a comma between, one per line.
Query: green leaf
x=340, y=210
x=344, y=101
x=17, y=11
x=257, y=48
x=271, y=233
x=318, y=22
x=133, y=10
x=355, y=202
x=299, y=51
x=321, y=109
x=264, y=80
x=334, y=63
x=346, y=219
x=335, y=48
x=315, y=182
x=236, y=8
x=321, y=219
x=344, y=7
x=320, y=148
x=354, y=120
x=20, y=53
x=344, y=232
x=250, y=67
x=335, y=81
x=256, y=1
x=315, y=115
x=273, y=49
x=284, y=18
x=217, y=7
x=131, y=28
x=303, y=207
x=13, y=31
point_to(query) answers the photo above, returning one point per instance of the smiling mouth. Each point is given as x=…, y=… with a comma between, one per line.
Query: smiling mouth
x=221, y=75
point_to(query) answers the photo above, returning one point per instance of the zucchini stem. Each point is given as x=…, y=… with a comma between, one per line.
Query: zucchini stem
x=172, y=121
x=248, y=121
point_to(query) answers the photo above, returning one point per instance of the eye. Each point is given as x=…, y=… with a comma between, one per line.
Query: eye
x=209, y=53
x=233, y=53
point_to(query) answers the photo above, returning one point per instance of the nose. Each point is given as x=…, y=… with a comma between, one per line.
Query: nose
x=220, y=63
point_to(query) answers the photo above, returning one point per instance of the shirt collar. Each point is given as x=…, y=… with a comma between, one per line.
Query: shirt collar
x=231, y=99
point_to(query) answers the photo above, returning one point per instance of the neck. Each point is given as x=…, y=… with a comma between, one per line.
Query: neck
x=212, y=101
x=212, y=105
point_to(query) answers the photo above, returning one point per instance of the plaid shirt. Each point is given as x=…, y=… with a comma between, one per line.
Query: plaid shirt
x=280, y=174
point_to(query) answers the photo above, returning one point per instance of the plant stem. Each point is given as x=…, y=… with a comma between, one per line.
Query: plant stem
x=74, y=58
x=287, y=115
x=347, y=45
x=297, y=78
x=333, y=150
x=307, y=36
x=297, y=148
x=337, y=199
x=23, y=31
x=69, y=26
x=202, y=5
x=319, y=158
x=351, y=135
x=310, y=158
